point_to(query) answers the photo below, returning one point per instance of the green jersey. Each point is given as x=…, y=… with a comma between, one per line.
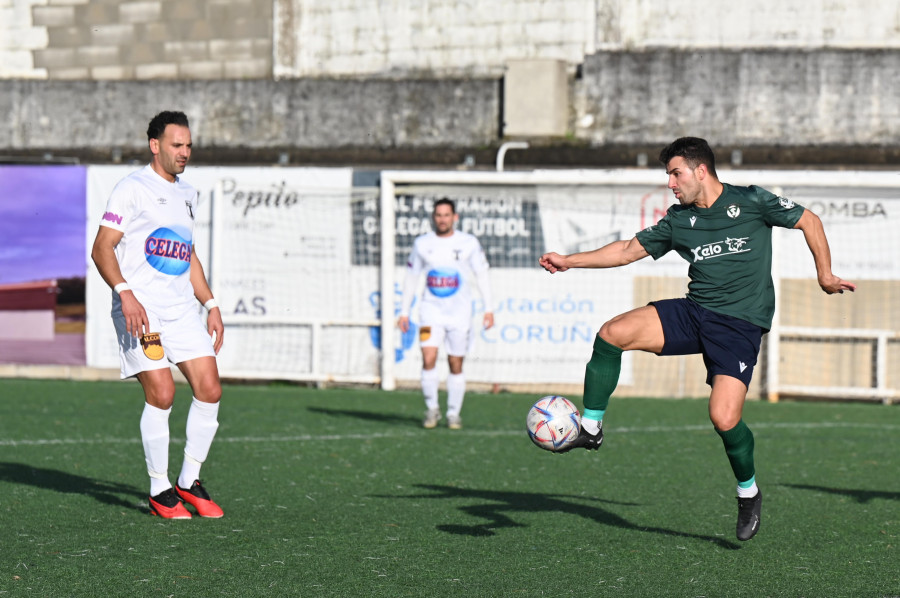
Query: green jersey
x=729, y=249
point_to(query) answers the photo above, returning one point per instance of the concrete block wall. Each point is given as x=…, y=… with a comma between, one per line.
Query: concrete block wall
x=128, y=40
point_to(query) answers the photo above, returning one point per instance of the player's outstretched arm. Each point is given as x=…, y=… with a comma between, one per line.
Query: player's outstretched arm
x=814, y=232
x=617, y=253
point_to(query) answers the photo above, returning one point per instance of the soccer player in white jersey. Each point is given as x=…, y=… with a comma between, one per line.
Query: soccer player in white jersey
x=144, y=250
x=450, y=259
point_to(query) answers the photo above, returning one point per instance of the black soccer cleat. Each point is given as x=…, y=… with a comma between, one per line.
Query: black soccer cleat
x=585, y=440
x=748, y=516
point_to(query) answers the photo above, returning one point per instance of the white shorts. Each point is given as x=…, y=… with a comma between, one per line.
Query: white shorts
x=438, y=329
x=170, y=342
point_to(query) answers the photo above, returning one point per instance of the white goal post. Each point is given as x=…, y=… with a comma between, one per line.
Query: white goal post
x=819, y=346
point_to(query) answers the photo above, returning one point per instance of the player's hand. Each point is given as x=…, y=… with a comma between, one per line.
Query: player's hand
x=136, y=321
x=216, y=328
x=553, y=262
x=403, y=323
x=833, y=284
x=488, y=320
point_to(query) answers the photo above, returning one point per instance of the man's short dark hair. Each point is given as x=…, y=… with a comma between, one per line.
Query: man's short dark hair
x=162, y=120
x=694, y=150
x=445, y=201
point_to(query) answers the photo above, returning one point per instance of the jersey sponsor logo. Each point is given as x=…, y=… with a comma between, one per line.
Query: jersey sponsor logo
x=168, y=252
x=161, y=201
x=720, y=248
x=443, y=282
x=786, y=203
x=733, y=211
x=112, y=217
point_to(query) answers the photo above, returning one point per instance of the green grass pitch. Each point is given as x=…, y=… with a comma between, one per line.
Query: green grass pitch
x=342, y=493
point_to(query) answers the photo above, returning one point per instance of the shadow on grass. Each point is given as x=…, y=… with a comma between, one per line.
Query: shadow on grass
x=60, y=481
x=860, y=496
x=498, y=512
x=369, y=416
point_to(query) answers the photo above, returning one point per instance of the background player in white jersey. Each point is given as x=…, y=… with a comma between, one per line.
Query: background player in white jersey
x=450, y=258
x=144, y=250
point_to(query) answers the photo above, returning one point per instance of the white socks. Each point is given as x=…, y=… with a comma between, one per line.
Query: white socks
x=456, y=391
x=202, y=423
x=155, y=436
x=591, y=426
x=430, y=382
x=748, y=492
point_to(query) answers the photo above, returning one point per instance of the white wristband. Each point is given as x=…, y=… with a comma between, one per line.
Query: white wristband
x=210, y=304
x=122, y=286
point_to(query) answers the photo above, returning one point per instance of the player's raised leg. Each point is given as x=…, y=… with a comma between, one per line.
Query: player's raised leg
x=638, y=329
x=202, y=423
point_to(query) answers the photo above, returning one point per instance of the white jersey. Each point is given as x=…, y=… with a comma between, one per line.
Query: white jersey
x=450, y=263
x=156, y=218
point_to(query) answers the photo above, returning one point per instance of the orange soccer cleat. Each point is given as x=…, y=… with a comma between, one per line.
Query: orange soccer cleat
x=198, y=497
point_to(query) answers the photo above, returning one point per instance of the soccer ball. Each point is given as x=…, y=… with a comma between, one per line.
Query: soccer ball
x=553, y=422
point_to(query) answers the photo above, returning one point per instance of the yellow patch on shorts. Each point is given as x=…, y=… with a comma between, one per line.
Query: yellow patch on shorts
x=424, y=333
x=152, y=346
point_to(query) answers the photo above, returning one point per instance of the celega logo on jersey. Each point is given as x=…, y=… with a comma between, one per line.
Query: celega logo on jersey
x=168, y=252
x=442, y=282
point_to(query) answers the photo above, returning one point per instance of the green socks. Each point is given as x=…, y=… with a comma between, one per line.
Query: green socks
x=738, y=443
x=601, y=377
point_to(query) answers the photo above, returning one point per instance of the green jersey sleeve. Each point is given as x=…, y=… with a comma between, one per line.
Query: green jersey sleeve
x=656, y=239
x=776, y=210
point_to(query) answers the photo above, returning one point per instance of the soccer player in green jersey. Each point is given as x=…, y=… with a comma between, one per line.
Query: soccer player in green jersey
x=725, y=234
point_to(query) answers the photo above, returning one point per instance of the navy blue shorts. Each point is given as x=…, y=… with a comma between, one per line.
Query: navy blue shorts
x=729, y=345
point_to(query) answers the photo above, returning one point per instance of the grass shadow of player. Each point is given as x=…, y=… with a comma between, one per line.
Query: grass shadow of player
x=374, y=416
x=61, y=481
x=860, y=496
x=502, y=505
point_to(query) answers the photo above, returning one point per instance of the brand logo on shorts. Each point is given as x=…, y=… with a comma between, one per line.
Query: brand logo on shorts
x=152, y=346
x=743, y=366
x=720, y=248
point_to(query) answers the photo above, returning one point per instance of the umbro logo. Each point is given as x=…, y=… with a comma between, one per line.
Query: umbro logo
x=743, y=366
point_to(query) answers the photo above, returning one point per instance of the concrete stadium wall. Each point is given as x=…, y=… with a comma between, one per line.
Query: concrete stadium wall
x=101, y=117
x=351, y=81
x=210, y=39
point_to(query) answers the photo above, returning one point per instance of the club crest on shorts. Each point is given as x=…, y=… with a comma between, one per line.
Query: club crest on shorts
x=424, y=333
x=152, y=346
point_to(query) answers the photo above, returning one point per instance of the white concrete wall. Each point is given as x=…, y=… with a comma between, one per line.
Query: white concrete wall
x=18, y=38
x=315, y=38
x=357, y=37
